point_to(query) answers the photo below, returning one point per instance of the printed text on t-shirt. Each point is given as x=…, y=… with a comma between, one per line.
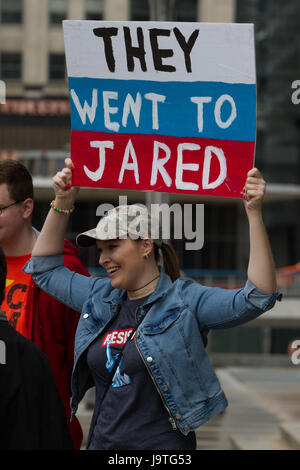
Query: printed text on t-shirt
x=116, y=337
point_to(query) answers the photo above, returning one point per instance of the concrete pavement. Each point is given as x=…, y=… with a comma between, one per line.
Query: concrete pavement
x=263, y=411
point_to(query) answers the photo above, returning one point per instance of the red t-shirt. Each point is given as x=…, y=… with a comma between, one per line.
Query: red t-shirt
x=17, y=283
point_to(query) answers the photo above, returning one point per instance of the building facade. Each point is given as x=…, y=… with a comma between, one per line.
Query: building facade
x=35, y=120
x=35, y=124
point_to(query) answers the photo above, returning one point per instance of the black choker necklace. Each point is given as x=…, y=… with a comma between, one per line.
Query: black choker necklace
x=133, y=290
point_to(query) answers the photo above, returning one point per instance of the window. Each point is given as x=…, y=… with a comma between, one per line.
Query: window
x=94, y=9
x=139, y=10
x=186, y=11
x=58, y=11
x=11, y=66
x=182, y=11
x=57, y=69
x=11, y=11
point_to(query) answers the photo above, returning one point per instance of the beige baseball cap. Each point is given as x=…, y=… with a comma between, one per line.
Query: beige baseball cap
x=134, y=221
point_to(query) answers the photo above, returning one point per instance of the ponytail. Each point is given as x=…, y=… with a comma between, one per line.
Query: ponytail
x=170, y=260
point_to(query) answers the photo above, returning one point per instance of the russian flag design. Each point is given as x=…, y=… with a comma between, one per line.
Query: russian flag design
x=167, y=107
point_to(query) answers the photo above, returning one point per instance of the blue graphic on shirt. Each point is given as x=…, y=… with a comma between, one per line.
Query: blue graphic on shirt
x=119, y=380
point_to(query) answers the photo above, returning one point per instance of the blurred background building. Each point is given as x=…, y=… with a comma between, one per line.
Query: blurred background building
x=35, y=128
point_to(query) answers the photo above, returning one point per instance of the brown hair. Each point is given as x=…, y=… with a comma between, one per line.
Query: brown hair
x=3, y=272
x=18, y=179
x=170, y=260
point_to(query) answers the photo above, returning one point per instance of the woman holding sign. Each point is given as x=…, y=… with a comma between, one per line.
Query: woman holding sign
x=142, y=334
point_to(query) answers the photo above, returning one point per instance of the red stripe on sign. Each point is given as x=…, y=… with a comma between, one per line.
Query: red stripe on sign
x=161, y=163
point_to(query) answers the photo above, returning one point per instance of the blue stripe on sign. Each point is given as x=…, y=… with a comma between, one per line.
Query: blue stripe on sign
x=176, y=116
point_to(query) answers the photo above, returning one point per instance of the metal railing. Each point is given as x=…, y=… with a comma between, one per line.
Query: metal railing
x=288, y=285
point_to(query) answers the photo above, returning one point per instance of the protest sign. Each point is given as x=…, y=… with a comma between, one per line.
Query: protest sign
x=162, y=106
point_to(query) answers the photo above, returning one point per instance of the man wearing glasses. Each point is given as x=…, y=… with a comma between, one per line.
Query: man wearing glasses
x=33, y=313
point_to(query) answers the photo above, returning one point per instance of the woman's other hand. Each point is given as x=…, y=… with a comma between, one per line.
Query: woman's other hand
x=255, y=189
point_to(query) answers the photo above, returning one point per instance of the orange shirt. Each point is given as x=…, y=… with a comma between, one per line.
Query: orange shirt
x=17, y=283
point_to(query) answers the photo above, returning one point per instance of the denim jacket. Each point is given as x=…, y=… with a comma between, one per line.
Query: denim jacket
x=171, y=339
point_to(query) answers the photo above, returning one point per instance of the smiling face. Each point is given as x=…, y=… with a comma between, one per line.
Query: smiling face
x=125, y=262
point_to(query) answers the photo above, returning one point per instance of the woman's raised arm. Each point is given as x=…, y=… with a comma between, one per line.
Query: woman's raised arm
x=51, y=239
x=261, y=267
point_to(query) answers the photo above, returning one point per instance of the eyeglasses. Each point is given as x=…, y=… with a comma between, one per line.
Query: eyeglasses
x=2, y=209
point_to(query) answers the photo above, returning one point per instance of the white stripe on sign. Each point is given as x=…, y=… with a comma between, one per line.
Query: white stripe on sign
x=160, y=51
